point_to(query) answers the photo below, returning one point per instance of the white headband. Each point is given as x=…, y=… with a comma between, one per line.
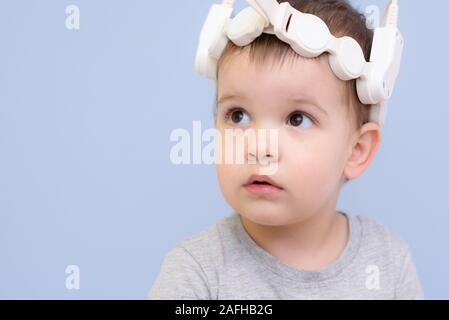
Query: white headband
x=309, y=36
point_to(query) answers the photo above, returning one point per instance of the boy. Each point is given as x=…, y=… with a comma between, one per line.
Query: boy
x=285, y=239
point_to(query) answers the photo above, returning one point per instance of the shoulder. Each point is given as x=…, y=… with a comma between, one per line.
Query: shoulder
x=209, y=248
x=377, y=236
x=393, y=255
x=208, y=244
x=190, y=268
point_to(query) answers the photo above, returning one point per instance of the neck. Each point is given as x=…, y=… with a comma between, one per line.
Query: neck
x=309, y=244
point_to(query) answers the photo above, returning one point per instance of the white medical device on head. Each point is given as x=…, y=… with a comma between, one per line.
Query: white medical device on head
x=309, y=36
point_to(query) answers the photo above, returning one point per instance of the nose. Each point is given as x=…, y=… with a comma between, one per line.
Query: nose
x=263, y=147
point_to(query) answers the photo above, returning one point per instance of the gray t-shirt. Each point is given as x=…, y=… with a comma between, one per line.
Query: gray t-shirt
x=224, y=262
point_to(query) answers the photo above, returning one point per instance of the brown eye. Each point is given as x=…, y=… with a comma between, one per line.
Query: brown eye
x=298, y=119
x=237, y=116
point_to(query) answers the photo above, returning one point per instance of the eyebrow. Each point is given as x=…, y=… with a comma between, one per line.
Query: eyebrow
x=227, y=97
x=309, y=102
x=300, y=100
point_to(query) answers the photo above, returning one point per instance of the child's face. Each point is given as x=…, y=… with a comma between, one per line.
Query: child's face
x=312, y=151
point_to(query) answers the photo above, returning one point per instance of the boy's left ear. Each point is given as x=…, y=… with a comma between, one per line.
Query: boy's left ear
x=365, y=144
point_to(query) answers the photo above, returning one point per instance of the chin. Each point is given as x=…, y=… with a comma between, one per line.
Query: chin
x=264, y=215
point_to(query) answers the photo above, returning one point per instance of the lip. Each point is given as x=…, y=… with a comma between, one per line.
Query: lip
x=262, y=189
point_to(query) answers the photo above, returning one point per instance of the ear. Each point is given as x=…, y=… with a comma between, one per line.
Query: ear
x=364, y=146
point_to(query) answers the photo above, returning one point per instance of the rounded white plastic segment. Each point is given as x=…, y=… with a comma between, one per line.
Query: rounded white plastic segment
x=205, y=65
x=213, y=40
x=246, y=27
x=377, y=81
x=346, y=58
x=309, y=33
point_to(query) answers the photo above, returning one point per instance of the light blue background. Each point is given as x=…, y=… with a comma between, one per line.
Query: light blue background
x=85, y=119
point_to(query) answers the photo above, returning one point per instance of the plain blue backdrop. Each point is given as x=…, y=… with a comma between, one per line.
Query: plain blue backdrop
x=85, y=120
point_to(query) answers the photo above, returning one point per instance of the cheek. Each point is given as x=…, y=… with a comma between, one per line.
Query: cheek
x=230, y=154
x=229, y=179
x=316, y=167
x=229, y=148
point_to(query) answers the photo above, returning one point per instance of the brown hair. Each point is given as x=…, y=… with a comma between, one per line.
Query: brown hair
x=342, y=20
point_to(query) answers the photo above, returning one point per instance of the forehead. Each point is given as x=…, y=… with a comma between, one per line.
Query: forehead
x=274, y=80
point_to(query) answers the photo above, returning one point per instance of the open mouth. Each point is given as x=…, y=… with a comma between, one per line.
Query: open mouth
x=262, y=185
x=262, y=182
x=259, y=180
